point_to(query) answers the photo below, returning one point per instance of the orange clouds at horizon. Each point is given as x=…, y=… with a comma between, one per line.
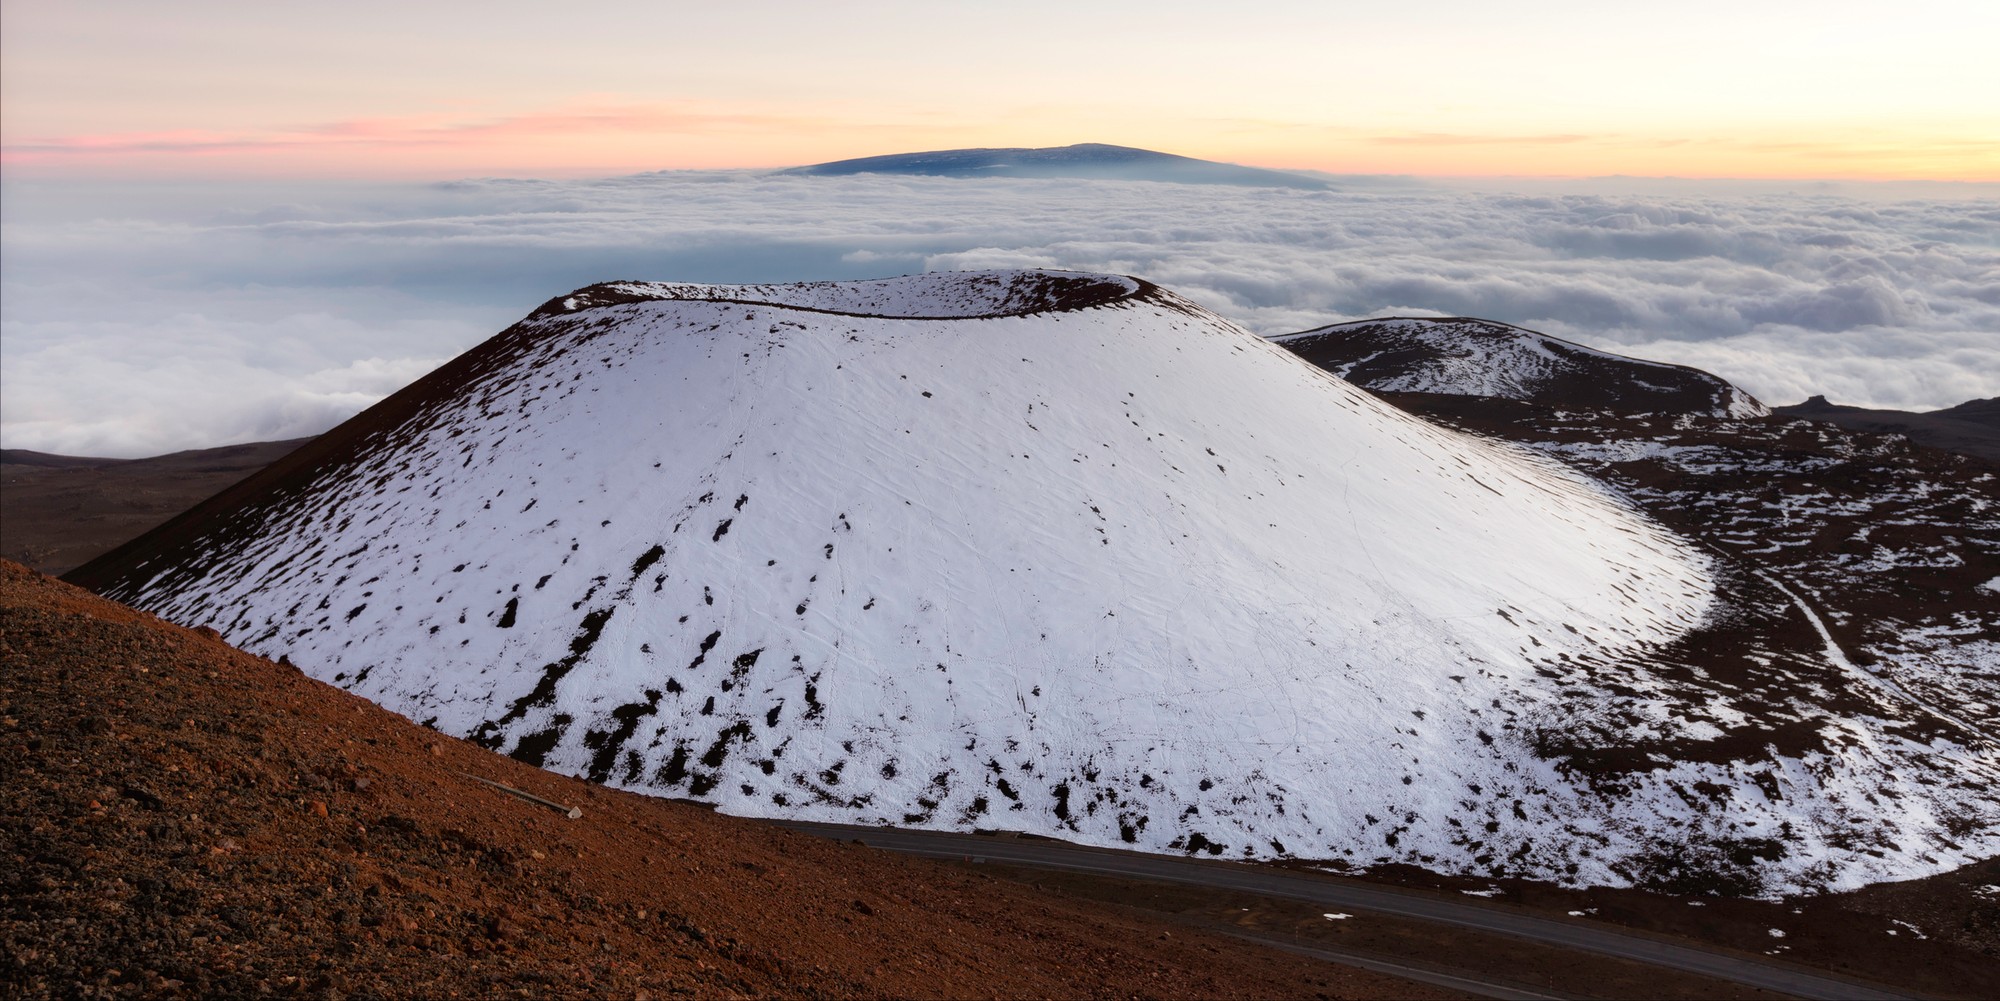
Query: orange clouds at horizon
x=1831, y=89
x=610, y=139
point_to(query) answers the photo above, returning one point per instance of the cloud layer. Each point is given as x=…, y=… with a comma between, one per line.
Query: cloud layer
x=136, y=321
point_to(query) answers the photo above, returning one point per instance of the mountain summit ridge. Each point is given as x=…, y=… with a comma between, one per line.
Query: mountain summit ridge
x=1099, y=161
x=1971, y=428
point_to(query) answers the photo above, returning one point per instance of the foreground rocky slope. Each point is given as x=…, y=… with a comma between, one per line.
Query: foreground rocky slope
x=185, y=820
x=1066, y=554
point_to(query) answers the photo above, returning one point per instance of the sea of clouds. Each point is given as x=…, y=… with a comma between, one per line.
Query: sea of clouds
x=136, y=319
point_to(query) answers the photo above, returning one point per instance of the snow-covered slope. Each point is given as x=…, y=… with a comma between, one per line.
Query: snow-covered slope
x=1049, y=552
x=1467, y=357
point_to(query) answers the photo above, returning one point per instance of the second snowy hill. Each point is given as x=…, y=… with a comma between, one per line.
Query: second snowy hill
x=1467, y=357
x=1059, y=553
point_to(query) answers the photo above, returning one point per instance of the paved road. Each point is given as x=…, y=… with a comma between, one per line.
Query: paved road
x=1344, y=894
x=1427, y=975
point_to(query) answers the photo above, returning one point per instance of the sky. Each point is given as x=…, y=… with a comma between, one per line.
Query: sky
x=367, y=88
x=228, y=222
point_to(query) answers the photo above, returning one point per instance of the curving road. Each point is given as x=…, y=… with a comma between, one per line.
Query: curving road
x=1269, y=881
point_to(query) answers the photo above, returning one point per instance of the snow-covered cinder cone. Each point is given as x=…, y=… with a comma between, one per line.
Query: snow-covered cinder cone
x=1042, y=551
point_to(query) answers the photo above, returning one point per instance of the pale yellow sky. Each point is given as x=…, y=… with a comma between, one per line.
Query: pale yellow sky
x=375, y=89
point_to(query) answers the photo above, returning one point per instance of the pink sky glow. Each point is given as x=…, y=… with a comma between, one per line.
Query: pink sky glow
x=607, y=138
x=381, y=89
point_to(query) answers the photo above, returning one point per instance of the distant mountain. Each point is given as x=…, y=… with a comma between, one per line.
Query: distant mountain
x=1462, y=356
x=1972, y=427
x=1071, y=555
x=57, y=511
x=242, y=459
x=1085, y=160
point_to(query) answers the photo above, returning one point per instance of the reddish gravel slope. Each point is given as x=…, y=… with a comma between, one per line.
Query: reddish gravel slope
x=183, y=819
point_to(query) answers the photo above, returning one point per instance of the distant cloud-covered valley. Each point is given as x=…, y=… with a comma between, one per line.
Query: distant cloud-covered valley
x=144, y=320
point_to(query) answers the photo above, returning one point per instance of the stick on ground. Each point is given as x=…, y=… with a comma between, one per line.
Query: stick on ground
x=572, y=812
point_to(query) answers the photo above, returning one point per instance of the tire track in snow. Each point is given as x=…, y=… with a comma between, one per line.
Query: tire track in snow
x=1838, y=658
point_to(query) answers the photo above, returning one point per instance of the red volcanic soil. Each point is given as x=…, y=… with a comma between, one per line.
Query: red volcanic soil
x=185, y=820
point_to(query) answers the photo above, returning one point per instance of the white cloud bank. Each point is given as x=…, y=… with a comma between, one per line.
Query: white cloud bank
x=135, y=321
